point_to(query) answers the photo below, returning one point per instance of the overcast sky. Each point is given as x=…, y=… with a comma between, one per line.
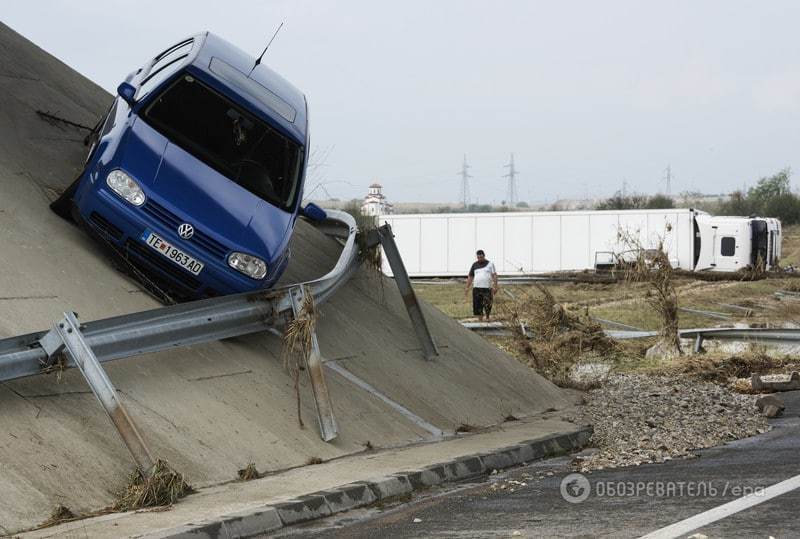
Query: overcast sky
x=585, y=94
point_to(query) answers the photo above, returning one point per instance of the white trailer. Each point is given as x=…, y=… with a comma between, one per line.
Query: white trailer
x=529, y=243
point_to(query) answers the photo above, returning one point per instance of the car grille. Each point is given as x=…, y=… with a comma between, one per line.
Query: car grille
x=202, y=240
x=180, y=276
x=104, y=225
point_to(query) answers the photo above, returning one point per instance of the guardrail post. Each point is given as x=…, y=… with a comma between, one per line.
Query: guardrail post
x=698, y=343
x=328, y=428
x=67, y=334
x=386, y=239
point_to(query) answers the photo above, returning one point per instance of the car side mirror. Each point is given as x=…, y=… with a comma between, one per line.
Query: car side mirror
x=314, y=213
x=126, y=91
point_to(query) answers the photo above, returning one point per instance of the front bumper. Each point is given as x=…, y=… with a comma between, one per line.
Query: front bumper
x=119, y=227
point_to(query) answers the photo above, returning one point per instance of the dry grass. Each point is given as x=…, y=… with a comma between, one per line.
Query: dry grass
x=248, y=473
x=59, y=515
x=653, y=267
x=58, y=366
x=297, y=343
x=313, y=460
x=163, y=486
x=370, y=256
x=722, y=369
x=792, y=286
x=560, y=338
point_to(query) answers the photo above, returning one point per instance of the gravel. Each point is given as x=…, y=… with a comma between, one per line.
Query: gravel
x=641, y=419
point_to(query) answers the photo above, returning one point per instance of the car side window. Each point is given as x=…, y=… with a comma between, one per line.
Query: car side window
x=727, y=246
x=165, y=65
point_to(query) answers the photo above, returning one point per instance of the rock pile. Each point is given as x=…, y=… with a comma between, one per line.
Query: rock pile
x=640, y=419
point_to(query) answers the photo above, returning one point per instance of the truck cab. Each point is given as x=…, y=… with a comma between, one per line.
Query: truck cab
x=724, y=243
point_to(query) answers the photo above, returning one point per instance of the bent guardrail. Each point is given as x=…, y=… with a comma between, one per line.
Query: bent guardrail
x=90, y=344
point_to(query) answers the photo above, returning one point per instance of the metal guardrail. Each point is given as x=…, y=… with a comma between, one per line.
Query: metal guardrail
x=385, y=237
x=767, y=335
x=183, y=324
x=88, y=345
x=756, y=335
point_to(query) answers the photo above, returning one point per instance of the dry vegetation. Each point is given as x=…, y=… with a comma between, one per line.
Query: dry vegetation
x=574, y=308
x=162, y=486
x=558, y=339
x=297, y=343
x=60, y=514
x=248, y=473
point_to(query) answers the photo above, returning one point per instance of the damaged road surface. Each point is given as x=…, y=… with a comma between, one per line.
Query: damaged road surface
x=652, y=500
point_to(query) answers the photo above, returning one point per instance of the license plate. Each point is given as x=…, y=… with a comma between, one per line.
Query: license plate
x=171, y=252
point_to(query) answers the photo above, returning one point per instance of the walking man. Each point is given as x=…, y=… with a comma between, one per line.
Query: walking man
x=483, y=280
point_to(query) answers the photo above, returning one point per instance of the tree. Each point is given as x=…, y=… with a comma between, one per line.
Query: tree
x=659, y=202
x=738, y=204
x=622, y=202
x=785, y=207
x=771, y=197
x=770, y=187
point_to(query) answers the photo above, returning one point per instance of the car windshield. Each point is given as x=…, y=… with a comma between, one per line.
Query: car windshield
x=229, y=139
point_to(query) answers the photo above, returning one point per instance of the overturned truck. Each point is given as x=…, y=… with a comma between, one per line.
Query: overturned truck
x=527, y=243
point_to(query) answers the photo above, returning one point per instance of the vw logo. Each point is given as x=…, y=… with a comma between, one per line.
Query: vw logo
x=186, y=231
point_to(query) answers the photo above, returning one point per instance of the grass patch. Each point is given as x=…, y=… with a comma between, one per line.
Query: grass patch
x=311, y=461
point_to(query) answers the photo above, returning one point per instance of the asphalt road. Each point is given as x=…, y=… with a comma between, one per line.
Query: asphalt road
x=527, y=501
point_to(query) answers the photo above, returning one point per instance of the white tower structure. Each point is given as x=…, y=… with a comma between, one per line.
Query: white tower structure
x=375, y=202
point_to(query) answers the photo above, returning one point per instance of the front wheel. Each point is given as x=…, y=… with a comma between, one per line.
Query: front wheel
x=62, y=206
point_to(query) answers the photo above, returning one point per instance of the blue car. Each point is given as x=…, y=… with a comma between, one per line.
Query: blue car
x=195, y=175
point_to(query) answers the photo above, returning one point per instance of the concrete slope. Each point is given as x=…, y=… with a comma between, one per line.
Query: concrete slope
x=208, y=409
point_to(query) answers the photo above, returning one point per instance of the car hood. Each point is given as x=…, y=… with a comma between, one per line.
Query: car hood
x=197, y=194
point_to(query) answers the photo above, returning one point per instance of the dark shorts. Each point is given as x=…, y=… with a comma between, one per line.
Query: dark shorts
x=481, y=301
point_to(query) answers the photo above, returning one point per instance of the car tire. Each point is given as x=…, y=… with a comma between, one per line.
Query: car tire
x=62, y=206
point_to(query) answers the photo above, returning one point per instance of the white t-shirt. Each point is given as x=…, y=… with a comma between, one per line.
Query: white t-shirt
x=482, y=274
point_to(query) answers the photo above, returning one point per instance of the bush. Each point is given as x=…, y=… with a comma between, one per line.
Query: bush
x=785, y=207
x=771, y=197
x=659, y=202
x=635, y=202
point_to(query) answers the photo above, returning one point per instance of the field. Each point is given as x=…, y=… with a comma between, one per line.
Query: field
x=627, y=303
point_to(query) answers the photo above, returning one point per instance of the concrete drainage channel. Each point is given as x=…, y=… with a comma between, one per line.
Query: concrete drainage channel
x=269, y=518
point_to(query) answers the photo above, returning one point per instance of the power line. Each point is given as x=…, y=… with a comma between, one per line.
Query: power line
x=511, y=190
x=465, y=176
x=668, y=179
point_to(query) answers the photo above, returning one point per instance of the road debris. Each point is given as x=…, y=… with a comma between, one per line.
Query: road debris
x=160, y=486
x=641, y=419
x=759, y=384
x=770, y=406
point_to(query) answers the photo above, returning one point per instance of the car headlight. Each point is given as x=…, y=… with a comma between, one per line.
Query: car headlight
x=250, y=265
x=126, y=187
